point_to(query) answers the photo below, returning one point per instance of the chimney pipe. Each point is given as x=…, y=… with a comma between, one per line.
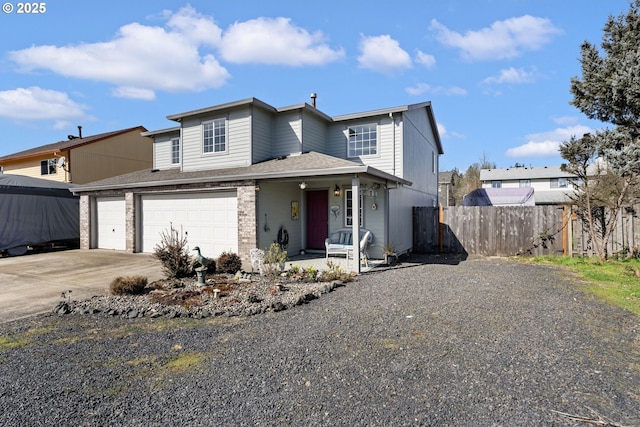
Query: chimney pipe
x=79, y=131
x=313, y=99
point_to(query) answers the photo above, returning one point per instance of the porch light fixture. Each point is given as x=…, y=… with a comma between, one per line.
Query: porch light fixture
x=336, y=191
x=257, y=188
x=302, y=185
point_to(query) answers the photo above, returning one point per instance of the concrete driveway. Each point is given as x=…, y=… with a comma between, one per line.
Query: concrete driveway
x=33, y=284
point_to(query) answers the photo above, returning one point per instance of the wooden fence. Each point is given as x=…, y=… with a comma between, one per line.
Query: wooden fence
x=512, y=230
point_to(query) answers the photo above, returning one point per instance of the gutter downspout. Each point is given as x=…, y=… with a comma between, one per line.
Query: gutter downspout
x=393, y=133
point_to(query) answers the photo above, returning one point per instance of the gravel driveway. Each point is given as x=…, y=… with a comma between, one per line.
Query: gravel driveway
x=482, y=342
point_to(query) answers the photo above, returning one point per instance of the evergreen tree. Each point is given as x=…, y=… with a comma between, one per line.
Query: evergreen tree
x=609, y=91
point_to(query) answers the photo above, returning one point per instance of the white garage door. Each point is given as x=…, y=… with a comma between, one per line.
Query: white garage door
x=208, y=220
x=111, y=223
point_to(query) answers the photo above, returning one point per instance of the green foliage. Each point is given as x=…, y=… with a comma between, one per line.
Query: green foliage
x=229, y=262
x=275, y=255
x=274, y=259
x=609, y=91
x=128, y=285
x=334, y=272
x=172, y=253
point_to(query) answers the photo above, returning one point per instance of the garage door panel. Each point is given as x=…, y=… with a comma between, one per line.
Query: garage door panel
x=111, y=223
x=208, y=220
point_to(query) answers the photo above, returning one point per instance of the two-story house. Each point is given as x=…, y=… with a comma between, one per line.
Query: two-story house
x=234, y=176
x=82, y=159
x=550, y=184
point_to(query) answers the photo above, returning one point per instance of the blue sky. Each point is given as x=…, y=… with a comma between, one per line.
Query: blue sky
x=496, y=71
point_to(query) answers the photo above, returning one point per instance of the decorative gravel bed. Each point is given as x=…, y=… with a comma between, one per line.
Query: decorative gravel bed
x=222, y=295
x=432, y=342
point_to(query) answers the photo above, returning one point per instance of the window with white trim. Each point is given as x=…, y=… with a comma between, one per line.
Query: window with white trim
x=362, y=140
x=496, y=184
x=558, y=183
x=214, y=136
x=525, y=183
x=48, y=167
x=175, y=151
x=348, y=208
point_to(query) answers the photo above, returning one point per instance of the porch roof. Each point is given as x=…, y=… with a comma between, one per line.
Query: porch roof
x=305, y=165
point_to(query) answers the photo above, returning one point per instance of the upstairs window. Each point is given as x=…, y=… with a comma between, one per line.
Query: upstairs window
x=48, y=167
x=558, y=183
x=175, y=151
x=525, y=183
x=496, y=184
x=363, y=140
x=214, y=136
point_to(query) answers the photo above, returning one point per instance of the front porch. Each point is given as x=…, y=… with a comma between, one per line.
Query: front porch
x=319, y=262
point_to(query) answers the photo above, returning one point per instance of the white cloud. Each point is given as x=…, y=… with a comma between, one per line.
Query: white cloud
x=426, y=60
x=566, y=120
x=511, y=76
x=275, y=42
x=139, y=59
x=502, y=40
x=421, y=88
x=133, y=93
x=34, y=103
x=445, y=134
x=383, y=54
x=547, y=144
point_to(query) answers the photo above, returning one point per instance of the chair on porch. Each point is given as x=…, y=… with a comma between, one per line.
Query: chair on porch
x=340, y=242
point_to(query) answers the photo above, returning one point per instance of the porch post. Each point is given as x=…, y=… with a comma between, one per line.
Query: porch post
x=355, y=220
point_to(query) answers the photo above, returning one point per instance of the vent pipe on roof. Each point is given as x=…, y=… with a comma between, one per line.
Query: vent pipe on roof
x=313, y=99
x=79, y=131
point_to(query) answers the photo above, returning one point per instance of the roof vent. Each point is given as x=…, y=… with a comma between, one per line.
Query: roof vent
x=313, y=99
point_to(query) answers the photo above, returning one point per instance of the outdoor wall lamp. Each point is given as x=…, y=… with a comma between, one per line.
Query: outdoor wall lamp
x=302, y=185
x=257, y=188
x=336, y=191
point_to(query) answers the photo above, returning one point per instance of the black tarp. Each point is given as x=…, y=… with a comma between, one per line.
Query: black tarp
x=36, y=211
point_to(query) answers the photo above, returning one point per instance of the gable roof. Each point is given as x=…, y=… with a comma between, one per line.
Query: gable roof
x=66, y=145
x=306, y=107
x=295, y=166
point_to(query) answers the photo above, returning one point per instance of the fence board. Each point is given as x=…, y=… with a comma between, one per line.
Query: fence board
x=509, y=230
x=490, y=230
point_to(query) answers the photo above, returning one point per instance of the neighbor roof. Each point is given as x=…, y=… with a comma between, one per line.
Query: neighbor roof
x=295, y=166
x=65, y=145
x=536, y=172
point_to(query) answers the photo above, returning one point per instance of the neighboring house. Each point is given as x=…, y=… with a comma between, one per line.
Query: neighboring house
x=83, y=159
x=235, y=176
x=550, y=184
x=499, y=197
x=445, y=188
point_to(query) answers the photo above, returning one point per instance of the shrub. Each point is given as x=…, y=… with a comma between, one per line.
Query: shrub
x=229, y=262
x=172, y=253
x=128, y=285
x=274, y=259
x=335, y=272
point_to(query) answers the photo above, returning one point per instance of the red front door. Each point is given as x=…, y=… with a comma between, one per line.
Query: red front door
x=317, y=218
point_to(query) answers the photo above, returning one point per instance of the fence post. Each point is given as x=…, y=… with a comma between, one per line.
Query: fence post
x=441, y=228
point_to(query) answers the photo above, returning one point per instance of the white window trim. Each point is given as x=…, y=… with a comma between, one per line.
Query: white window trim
x=346, y=216
x=50, y=171
x=173, y=140
x=377, y=153
x=226, y=136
